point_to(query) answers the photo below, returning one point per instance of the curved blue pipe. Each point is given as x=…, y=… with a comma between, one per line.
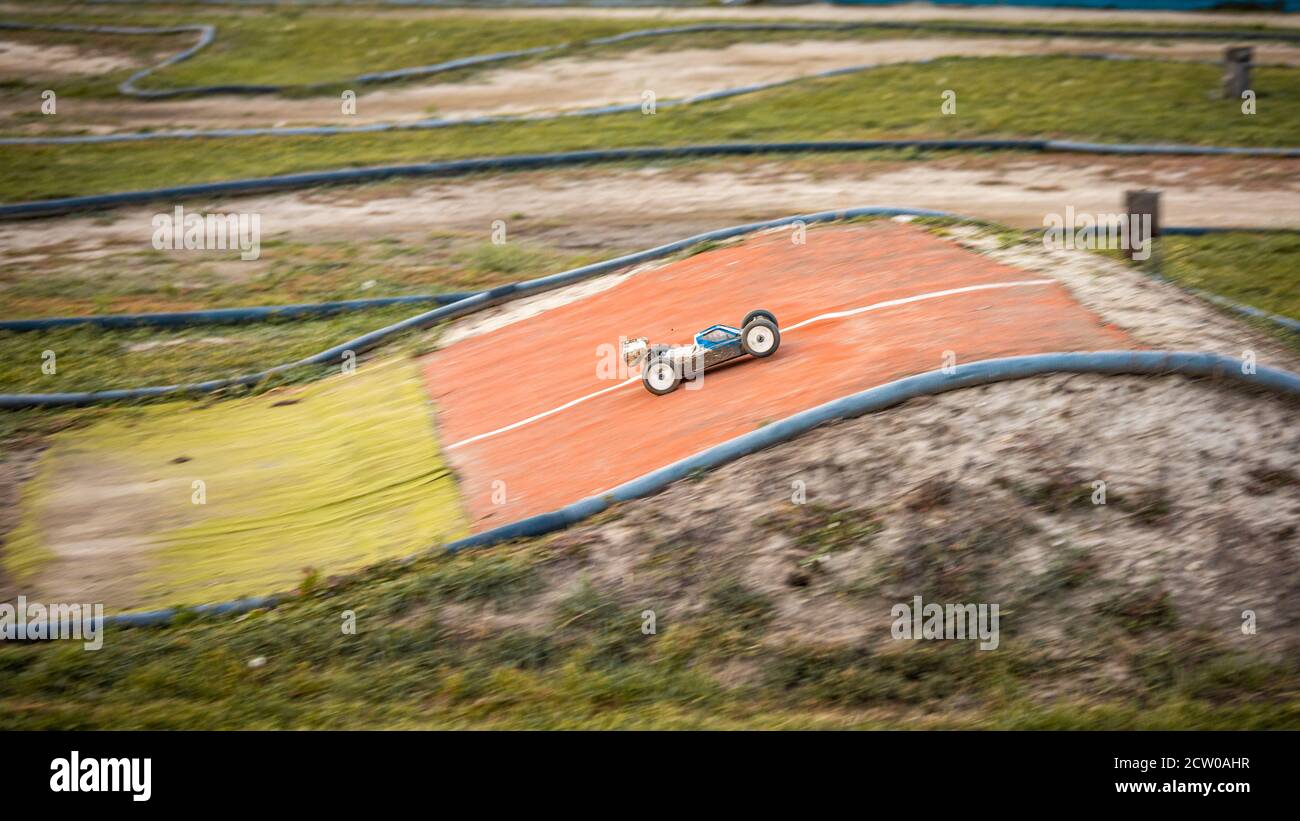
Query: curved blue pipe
x=1205, y=365
x=443, y=122
x=225, y=316
x=240, y=316
x=208, y=33
x=1245, y=310
x=451, y=168
x=470, y=304
x=884, y=396
x=475, y=302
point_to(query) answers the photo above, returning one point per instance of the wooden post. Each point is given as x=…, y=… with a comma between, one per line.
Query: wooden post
x=1141, y=204
x=1236, y=70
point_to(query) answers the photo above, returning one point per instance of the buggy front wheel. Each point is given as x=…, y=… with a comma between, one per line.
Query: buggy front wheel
x=661, y=376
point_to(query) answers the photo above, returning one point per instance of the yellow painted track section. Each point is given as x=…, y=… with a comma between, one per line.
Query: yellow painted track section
x=182, y=504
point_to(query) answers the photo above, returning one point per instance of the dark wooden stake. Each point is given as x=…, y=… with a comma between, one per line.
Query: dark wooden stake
x=1138, y=203
x=1236, y=70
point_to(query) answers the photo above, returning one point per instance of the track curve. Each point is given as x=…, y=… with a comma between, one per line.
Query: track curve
x=459, y=307
x=874, y=398
x=208, y=34
x=455, y=168
x=966, y=375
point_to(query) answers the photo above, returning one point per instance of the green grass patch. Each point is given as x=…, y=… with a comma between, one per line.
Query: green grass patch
x=60, y=283
x=94, y=359
x=1255, y=268
x=1074, y=98
x=584, y=662
x=298, y=47
x=302, y=46
x=1258, y=269
x=89, y=358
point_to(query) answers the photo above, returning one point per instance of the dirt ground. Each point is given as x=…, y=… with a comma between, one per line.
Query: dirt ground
x=1229, y=540
x=643, y=206
x=1157, y=314
x=976, y=495
x=1202, y=482
x=18, y=462
x=17, y=59
x=565, y=84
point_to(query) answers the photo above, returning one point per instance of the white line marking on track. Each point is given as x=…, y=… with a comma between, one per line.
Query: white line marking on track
x=543, y=414
x=890, y=303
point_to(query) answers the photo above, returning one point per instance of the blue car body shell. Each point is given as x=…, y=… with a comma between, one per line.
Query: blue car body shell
x=724, y=345
x=702, y=339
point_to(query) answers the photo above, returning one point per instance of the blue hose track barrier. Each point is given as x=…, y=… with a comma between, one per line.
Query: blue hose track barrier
x=1285, y=322
x=316, y=310
x=208, y=33
x=454, y=168
x=437, y=122
x=1156, y=363
x=470, y=304
x=452, y=305
x=226, y=316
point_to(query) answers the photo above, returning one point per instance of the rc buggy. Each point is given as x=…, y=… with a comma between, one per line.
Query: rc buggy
x=663, y=367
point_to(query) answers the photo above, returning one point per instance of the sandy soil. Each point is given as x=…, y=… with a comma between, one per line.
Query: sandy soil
x=1224, y=460
x=1158, y=314
x=18, y=464
x=1228, y=543
x=625, y=207
x=1198, y=443
x=18, y=58
x=506, y=313
x=565, y=84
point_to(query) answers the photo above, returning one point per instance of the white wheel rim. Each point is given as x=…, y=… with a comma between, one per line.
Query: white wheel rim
x=660, y=376
x=760, y=339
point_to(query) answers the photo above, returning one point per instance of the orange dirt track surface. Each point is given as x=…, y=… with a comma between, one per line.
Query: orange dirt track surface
x=537, y=364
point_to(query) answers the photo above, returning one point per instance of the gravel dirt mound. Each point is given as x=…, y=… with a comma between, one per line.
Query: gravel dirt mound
x=983, y=495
